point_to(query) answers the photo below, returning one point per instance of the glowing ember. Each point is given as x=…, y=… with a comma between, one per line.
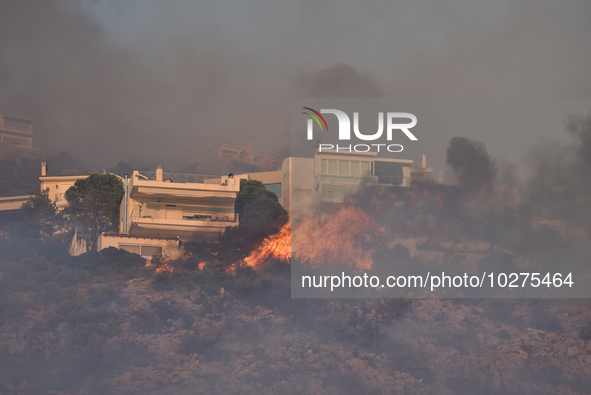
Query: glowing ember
x=160, y=265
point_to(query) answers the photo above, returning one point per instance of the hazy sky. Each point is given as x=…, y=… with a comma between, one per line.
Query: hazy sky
x=108, y=79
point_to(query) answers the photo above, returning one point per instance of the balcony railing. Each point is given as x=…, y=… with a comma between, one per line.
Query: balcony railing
x=216, y=218
x=189, y=217
x=178, y=177
x=392, y=180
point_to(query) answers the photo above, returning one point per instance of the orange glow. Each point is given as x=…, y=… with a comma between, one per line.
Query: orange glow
x=161, y=266
x=275, y=246
x=425, y=197
x=336, y=239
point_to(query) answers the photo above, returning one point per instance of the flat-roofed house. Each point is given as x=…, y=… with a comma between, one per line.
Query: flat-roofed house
x=58, y=185
x=312, y=186
x=187, y=206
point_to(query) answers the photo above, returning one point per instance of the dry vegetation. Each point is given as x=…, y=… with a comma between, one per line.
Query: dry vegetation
x=103, y=323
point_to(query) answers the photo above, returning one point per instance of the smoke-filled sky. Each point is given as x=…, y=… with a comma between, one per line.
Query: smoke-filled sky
x=105, y=80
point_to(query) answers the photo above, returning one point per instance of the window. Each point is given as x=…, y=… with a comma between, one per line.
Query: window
x=151, y=250
x=274, y=188
x=344, y=167
x=134, y=249
x=365, y=169
x=332, y=167
x=354, y=168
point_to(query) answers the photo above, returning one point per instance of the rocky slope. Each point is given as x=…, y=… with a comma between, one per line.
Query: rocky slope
x=129, y=337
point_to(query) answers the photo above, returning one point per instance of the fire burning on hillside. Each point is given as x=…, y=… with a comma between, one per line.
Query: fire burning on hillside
x=161, y=265
x=368, y=223
x=275, y=246
x=338, y=238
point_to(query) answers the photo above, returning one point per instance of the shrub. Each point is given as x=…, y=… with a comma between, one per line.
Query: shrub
x=198, y=342
x=145, y=321
x=545, y=321
x=103, y=296
x=585, y=331
x=406, y=359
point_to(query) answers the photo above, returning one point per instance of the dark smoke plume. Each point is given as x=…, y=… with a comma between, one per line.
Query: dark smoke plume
x=560, y=187
x=472, y=165
x=340, y=80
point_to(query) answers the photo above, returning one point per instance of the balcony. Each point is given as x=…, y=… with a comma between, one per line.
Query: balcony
x=187, y=227
x=60, y=200
x=390, y=180
x=178, y=188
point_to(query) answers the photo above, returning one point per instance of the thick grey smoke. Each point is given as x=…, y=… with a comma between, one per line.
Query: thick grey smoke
x=472, y=165
x=107, y=80
x=340, y=80
x=579, y=126
x=560, y=187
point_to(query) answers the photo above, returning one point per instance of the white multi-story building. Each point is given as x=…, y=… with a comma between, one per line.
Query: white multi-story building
x=191, y=207
x=314, y=185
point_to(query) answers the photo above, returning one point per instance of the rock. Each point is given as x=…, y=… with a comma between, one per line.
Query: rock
x=357, y=364
x=561, y=347
x=496, y=379
x=572, y=351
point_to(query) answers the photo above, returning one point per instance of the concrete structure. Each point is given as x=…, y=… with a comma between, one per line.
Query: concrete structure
x=11, y=203
x=58, y=185
x=9, y=211
x=146, y=246
x=16, y=138
x=217, y=158
x=421, y=173
x=187, y=206
x=311, y=186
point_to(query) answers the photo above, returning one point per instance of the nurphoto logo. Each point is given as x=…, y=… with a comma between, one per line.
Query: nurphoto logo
x=392, y=124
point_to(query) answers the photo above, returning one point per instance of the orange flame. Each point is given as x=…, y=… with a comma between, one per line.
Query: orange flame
x=334, y=240
x=161, y=266
x=318, y=242
x=275, y=246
